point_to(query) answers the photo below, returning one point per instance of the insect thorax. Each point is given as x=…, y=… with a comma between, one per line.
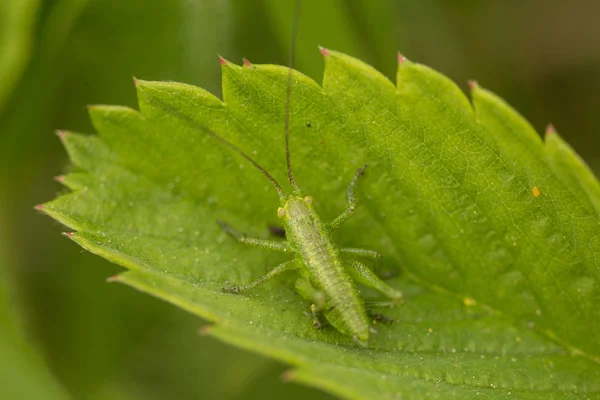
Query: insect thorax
x=306, y=233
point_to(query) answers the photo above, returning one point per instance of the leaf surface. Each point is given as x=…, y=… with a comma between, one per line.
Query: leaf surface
x=498, y=252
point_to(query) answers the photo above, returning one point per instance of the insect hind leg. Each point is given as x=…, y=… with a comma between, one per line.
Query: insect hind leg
x=286, y=266
x=252, y=242
x=339, y=221
x=363, y=275
x=377, y=317
x=372, y=255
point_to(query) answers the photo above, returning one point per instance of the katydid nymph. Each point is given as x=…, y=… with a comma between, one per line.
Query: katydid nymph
x=328, y=274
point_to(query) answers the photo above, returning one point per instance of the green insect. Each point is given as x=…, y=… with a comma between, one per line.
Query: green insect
x=328, y=274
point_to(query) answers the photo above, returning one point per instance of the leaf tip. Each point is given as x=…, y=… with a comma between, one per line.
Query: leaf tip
x=39, y=207
x=61, y=134
x=550, y=130
x=205, y=330
x=401, y=58
x=246, y=62
x=222, y=60
x=473, y=84
x=324, y=51
x=114, y=278
x=287, y=376
x=59, y=178
x=136, y=81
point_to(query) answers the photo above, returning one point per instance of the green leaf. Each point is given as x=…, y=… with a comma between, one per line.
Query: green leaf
x=571, y=169
x=498, y=253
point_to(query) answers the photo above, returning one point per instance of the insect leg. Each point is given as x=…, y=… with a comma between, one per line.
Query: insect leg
x=286, y=266
x=380, y=304
x=277, y=230
x=378, y=317
x=374, y=255
x=365, y=253
x=319, y=301
x=339, y=221
x=260, y=243
x=308, y=291
x=362, y=274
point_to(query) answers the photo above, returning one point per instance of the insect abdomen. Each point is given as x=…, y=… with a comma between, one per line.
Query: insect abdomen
x=343, y=296
x=327, y=272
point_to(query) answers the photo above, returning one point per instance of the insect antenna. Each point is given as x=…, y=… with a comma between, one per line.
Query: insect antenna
x=247, y=157
x=289, y=96
x=226, y=142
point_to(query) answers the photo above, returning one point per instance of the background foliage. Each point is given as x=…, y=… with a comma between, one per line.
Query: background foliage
x=107, y=341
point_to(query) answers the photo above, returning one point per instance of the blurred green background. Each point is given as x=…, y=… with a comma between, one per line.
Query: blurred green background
x=65, y=332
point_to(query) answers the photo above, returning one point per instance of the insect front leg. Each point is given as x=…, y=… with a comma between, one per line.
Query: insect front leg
x=363, y=275
x=260, y=243
x=339, y=221
x=286, y=266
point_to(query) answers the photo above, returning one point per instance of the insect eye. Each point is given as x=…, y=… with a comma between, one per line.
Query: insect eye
x=280, y=212
x=308, y=200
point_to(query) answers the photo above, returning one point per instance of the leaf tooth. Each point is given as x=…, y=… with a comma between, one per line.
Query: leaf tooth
x=324, y=51
x=85, y=151
x=288, y=376
x=550, y=130
x=114, y=278
x=401, y=58
x=61, y=134
x=222, y=60
x=205, y=330
x=571, y=168
x=246, y=62
x=473, y=84
x=75, y=180
x=497, y=115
